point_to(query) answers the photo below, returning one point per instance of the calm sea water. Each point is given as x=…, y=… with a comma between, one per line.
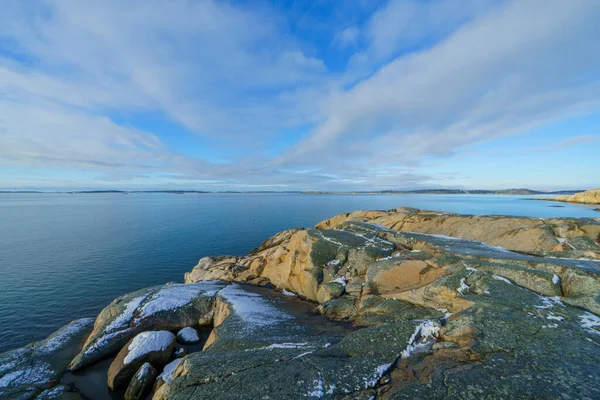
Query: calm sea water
x=66, y=256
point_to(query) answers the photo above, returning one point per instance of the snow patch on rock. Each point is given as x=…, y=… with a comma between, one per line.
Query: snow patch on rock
x=463, y=286
x=317, y=390
x=589, y=322
x=126, y=316
x=37, y=374
x=143, y=371
x=167, y=373
x=548, y=302
x=501, y=278
x=175, y=296
x=376, y=376
x=148, y=342
x=188, y=336
x=58, y=338
x=281, y=346
x=252, y=308
x=341, y=280
x=421, y=339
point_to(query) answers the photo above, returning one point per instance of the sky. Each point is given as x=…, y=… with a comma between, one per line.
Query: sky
x=299, y=95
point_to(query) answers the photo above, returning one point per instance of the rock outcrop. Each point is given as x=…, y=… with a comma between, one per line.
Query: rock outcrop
x=35, y=370
x=591, y=196
x=188, y=335
x=363, y=254
x=411, y=306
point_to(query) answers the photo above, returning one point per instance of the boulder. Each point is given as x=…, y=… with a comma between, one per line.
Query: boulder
x=155, y=347
x=188, y=335
x=141, y=383
x=168, y=307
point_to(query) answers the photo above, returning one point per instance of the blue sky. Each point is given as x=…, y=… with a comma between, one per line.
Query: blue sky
x=299, y=95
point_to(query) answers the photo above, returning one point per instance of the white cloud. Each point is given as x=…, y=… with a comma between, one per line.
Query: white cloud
x=197, y=61
x=346, y=37
x=526, y=64
x=426, y=79
x=574, y=141
x=402, y=24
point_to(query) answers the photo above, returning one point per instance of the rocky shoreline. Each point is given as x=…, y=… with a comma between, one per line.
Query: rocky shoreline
x=391, y=304
x=591, y=196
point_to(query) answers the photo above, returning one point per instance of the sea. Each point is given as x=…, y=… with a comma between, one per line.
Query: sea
x=65, y=256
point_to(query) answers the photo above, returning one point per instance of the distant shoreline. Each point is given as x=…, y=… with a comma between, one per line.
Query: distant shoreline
x=423, y=191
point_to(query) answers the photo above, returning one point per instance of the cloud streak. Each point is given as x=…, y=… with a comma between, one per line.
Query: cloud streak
x=418, y=82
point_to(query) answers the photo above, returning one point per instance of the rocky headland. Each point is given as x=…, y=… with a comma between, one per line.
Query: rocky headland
x=396, y=304
x=591, y=196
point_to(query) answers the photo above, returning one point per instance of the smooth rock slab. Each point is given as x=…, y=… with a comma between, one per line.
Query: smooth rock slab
x=141, y=383
x=153, y=347
x=36, y=368
x=265, y=350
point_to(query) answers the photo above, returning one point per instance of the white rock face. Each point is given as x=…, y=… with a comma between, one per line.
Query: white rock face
x=188, y=336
